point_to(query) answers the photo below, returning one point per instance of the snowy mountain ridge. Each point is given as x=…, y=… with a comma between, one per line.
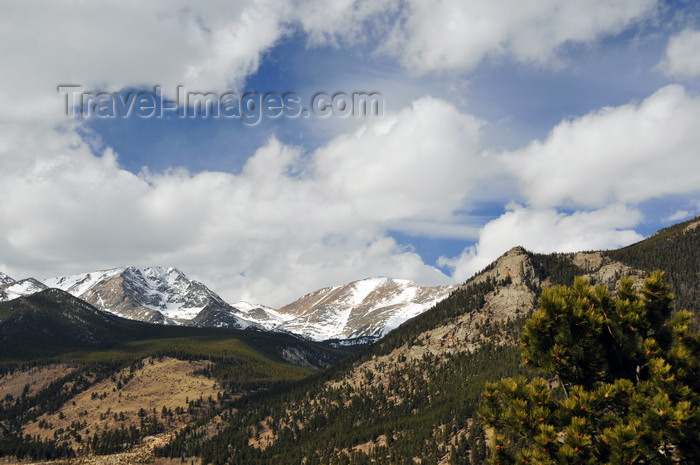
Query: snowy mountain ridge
x=266, y=317
x=367, y=308
x=11, y=289
x=362, y=310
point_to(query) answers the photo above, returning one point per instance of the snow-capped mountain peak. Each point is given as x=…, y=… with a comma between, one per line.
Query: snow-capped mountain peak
x=367, y=308
x=13, y=289
x=154, y=294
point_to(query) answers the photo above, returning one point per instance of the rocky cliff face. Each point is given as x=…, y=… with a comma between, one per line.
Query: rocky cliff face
x=602, y=269
x=4, y=279
x=514, y=265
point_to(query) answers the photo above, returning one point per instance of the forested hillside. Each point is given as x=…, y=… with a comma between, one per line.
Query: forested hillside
x=675, y=250
x=411, y=398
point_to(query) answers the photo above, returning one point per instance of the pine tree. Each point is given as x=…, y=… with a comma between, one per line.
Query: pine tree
x=624, y=387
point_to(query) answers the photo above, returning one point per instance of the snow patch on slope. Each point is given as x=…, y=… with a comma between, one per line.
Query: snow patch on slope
x=20, y=288
x=265, y=317
x=78, y=284
x=359, y=290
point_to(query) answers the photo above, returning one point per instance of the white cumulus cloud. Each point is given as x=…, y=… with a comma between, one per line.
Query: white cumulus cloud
x=682, y=57
x=458, y=35
x=545, y=230
x=205, y=46
x=616, y=154
x=439, y=35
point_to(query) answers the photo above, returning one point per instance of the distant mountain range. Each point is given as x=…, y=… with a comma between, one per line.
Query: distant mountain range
x=362, y=310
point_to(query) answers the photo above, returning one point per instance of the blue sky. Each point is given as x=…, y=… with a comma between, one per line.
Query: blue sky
x=559, y=126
